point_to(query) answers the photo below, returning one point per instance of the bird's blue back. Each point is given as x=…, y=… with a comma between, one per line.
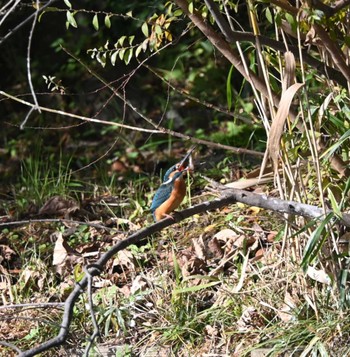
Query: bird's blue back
x=165, y=189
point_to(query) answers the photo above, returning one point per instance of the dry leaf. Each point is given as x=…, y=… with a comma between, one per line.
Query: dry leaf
x=318, y=275
x=288, y=92
x=277, y=125
x=59, y=253
x=215, y=248
x=289, y=71
x=125, y=258
x=199, y=247
x=249, y=182
x=59, y=206
x=226, y=234
x=285, y=313
x=138, y=285
x=249, y=320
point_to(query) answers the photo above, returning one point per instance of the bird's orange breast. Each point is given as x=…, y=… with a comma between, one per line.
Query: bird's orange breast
x=177, y=195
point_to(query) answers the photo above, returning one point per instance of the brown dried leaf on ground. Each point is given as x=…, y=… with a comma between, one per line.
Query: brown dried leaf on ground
x=285, y=312
x=190, y=263
x=250, y=319
x=59, y=206
x=124, y=260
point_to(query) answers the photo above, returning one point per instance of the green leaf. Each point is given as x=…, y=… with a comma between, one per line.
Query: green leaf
x=68, y=3
x=177, y=13
x=144, y=29
x=190, y=7
x=95, y=22
x=268, y=15
x=71, y=19
x=334, y=203
x=158, y=30
x=138, y=50
x=121, y=41
x=131, y=39
x=229, y=88
x=48, y=9
x=292, y=21
x=315, y=242
x=330, y=151
x=128, y=55
x=114, y=57
x=108, y=21
x=101, y=59
x=121, y=53
x=192, y=289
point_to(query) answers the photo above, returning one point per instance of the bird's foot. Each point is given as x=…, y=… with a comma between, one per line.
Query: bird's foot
x=165, y=215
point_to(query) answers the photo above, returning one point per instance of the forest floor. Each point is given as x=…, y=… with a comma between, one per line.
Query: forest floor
x=222, y=283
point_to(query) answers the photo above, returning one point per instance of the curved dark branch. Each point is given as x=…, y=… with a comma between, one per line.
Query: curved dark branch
x=229, y=196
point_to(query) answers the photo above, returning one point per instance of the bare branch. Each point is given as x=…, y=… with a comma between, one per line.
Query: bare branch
x=40, y=305
x=160, y=130
x=230, y=196
x=10, y=345
x=19, y=26
x=53, y=220
x=29, y=73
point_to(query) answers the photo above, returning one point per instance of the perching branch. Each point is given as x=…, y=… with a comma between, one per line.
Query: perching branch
x=229, y=196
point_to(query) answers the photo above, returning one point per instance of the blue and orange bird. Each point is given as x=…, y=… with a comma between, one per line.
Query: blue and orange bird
x=173, y=189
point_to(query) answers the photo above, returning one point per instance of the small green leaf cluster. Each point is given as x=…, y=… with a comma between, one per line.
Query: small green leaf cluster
x=156, y=30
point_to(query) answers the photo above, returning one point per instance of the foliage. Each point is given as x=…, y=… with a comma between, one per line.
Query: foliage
x=225, y=282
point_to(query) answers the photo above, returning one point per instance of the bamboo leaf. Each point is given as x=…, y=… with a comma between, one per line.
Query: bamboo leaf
x=329, y=152
x=268, y=15
x=192, y=289
x=277, y=125
x=315, y=242
x=229, y=89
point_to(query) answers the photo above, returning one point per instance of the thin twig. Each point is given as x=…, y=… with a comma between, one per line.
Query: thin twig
x=8, y=12
x=40, y=305
x=54, y=220
x=29, y=73
x=24, y=22
x=161, y=130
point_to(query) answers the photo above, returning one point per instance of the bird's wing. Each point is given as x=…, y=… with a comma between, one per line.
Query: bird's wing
x=162, y=194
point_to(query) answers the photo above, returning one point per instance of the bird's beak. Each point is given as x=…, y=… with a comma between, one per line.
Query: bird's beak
x=182, y=165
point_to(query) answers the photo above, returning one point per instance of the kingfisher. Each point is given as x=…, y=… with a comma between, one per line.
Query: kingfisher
x=173, y=189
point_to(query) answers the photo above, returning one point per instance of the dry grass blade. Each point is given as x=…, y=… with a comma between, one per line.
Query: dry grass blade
x=289, y=73
x=278, y=122
x=277, y=126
